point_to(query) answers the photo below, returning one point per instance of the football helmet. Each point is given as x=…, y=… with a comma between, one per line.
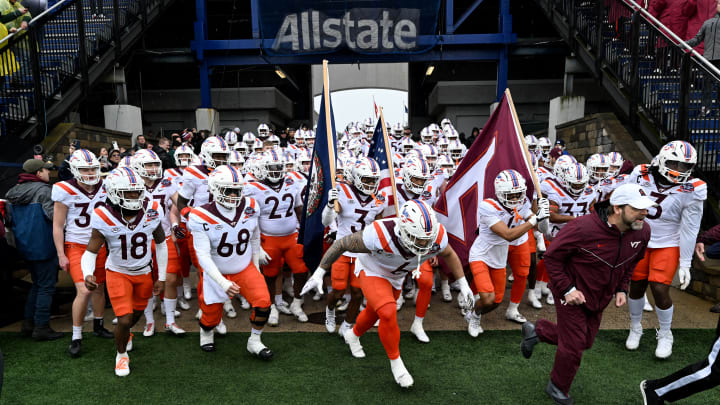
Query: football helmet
x=355, y=133
x=248, y=138
x=598, y=165
x=510, y=188
x=258, y=146
x=184, y=155
x=309, y=139
x=407, y=145
x=274, y=139
x=225, y=184
x=561, y=164
x=231, y=137
x=366, y=175
x=147, y=164
x=430, y=154
x=355, y=146
x=446, y=164
x=300, y=137
x=531, y=142
x=214, y=152
x=289, y=161
x=455, y=149
x=417, y=227
x=236, y=160
x=426, y=135
x=348, y=167
x=434, y=130
x=120, y=183
x=575, y=178
x=533, y=160
x=442, y=144
x=369, y=127
x=676, y=161
x=84, y=159
x=543, y=147
x=263, y=131
x=302, y=162
x=241, y=147
x=397, y=131
x=272, y=166
x=616, y=161
x=125, y=161
x=445, y=122
x=415, y=175
x=451, y=134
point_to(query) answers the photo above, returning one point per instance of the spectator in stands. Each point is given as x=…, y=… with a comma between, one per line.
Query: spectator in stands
x=112, y=162
x=140, y=143
x=700, y=11
x=473, y=136
x=709, y=34
x=162, y=150
x=14, y=15
x=283, y=138
x=32, y=214
x=711, y=238
x=673, y=14
x=96, y=7
x=8, y=63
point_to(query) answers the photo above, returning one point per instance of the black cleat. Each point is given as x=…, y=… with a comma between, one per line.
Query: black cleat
x=100, y=331
x=74, y=348
x=265, y=354
x=41, y=333
x=530, y=339
x=649, y=395
x=558, y=396
x=210, y=347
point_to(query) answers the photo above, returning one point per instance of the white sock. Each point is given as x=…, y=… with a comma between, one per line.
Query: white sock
x=149, y=317
x=347, y=297
x=346, y=325
x=186, y=282
x=170, y=310
x=180, y=291
x=278, y=299
x=444, y=284
x=418, y=319
x=255, y=332
x=664, y=317
x=513, y=306
x=77, y=332
x=636, y=311
x=329, y=311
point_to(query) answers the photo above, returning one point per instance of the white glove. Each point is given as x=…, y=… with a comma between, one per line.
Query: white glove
x=263, y=257
x=416, y=273
x=543, y=212
x=315, y=282
x=540, y=242
x=684, y=277
x=332, y=197
x=468, y=298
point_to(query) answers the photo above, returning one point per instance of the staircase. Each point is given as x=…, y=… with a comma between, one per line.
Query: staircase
x=652, y=76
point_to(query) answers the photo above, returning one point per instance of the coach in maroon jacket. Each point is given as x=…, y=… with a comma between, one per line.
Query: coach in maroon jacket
x=590, y=260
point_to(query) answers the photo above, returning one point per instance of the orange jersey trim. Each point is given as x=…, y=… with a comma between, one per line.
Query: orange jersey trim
x=104, y=217
x=347, y=192
x=66, y=188
x=155, y=205
x=556, y=189
x=491, y=202
x=698, y=183
x=194, y=173
x=441, y=233
x=257, y=185
x=204, y=216
x=381, y=236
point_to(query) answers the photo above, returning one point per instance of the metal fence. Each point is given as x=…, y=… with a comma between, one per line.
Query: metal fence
x=56, y=52
x=662, y=77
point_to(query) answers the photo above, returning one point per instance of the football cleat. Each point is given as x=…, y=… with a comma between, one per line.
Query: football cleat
x=174, y=329
x=342, y=305
x=89, y=315
x=75, y=347
x=633, y=339
x=330, y=320
x=198, y=314
x=400, y=373
x=446, y=294
x=417, y=329
x=343, y=328
x=353, y=341
x=187, y=289
x=183, y=303
x=122, y=366
x=400, y=301
x=244, y=304
x=274, y=316
x=256, y=347
x=530, y=339
x=473, y=320
x=664, y=345
x=221, y=328
x=297, y=311
x=515, y=316
x=207, y=340
x=149, y=329
x=410, y=294
x=283, y=308
x=317, y=296
x=229, y=309
x=114, y=321
x=647, y=307
x=550, y=300
x=533, y=298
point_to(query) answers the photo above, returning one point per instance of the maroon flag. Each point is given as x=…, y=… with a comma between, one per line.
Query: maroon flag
x=499, y=147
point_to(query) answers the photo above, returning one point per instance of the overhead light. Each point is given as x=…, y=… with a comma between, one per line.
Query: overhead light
x=430, y=70
x=280, y=73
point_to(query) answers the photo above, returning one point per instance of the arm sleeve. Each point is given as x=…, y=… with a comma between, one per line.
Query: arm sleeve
x=48, y=204
x=699, y=37
x=255, y=243
x=201, y=243
x=328, y=215
x=187, y=190
x=689, y=227
x=561, y=249
x=161, y=253
x=87, y=263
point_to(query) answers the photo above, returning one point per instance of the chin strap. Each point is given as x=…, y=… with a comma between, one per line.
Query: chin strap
x=416, y=273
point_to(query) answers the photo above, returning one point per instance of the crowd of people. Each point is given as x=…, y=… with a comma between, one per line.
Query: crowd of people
x=135, y=222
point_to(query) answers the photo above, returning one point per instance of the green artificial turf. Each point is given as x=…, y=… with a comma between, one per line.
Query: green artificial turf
x=318, y=368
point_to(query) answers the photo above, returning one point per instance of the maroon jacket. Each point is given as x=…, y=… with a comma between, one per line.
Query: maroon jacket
x=700, y=11
x=674, y=14
x=595, y=258
x=710, y=236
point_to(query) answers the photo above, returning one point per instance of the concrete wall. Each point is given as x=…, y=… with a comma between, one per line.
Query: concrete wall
x=392, y=76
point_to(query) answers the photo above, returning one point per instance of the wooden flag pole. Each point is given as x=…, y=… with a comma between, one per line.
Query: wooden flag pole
x=390, y=162
x=520, y=135
x=328, y=127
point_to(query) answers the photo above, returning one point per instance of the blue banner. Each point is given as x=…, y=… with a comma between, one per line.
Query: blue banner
x=362, y=26
x=316, y=194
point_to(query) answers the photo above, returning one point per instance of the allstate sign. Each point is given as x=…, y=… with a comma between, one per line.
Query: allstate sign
x=323, y=27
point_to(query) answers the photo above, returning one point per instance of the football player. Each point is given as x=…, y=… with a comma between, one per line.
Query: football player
x=280, y=204
x=674, y=223
x=75, y=200
x=388, y=250
x=227, y=243
x=127, y=224
x=357, y=206
x=598, y=166
x=502, y=221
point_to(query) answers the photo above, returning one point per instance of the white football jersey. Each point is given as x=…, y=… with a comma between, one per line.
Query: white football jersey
x=80, y=205
x=195, y=186
x=567, y=204
x=300, y=179
x=676, y=221
x=129, y=245
x=174, y=175
x=403, y=196
x=606, y=186
x=358, y=210
x=162, y=192
x=387, y=258
x=544, y=173
x=277, y=207
x=433, y=186
x=230, y=247
x=488, y=246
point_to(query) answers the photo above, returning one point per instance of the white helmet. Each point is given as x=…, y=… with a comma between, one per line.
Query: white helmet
x=236, y=159
x=430, y=153
x=451, y=134
x=561, y=164
x=434, y=130
x=142, y=159
x=543, y=147
x=248, y=138
x=214, y=152
x=84, y=159
x=446, y=164
x=417, y=227
x=125, y=161
x=442, y=144
x=598, y=166
x=366, y=175
x=184, y=155
x=510, y=188
x=426, y=135
x=121, y=181
x=355, y=146
x=407, y=145
x=369, y=126
x=263, y=131
x=309, y=138
x=414, y=154
x=253, y=165
x=272, y=166
x=533, y=160
x=289, y=161
x=258, y=146
x=531, y=142
x=223, y=182
x=355, y=133
x=575, y=178
x=274, y=139
x=397, y=131
x=300, y=137
x=455, y=149
x=241, y=147
x=231, y=137
x=348, y=167
x=616, y=161
x=415, y=175
x=445, y=122
x=302, y=162
x=676, y=161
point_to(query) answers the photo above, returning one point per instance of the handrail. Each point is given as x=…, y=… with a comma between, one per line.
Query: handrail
x=7, y=38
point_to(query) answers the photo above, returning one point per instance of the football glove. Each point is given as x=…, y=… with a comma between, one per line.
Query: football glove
x=179, y=232
x=684, y=277
x=543, y=212
x=332, y=197
x=468, y=298
x=315, y=282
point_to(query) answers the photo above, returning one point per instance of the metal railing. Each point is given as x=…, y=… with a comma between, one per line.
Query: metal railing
x=663, y=78
x=56, y=52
